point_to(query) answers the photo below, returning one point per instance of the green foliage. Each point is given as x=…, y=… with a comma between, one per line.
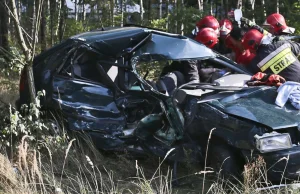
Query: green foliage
x=153, y=69
x=12, y=60
x=187, y=16
x=74, y=27
x=117, y=19
x=159, y=23
x=19, y=125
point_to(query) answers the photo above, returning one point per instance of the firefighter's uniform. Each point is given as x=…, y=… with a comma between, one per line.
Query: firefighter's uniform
x=278, y=58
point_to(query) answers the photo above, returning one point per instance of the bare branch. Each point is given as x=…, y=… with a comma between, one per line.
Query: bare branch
x=37, y=24
x=12, y=15
x=19, y=31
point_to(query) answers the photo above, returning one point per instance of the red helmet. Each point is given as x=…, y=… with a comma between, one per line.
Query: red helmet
x=208, y=37
x=226, y=27
x=210, y=22
x=251, y=39
x=277, y=24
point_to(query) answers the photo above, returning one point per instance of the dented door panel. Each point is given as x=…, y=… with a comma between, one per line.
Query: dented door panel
x=88, y=106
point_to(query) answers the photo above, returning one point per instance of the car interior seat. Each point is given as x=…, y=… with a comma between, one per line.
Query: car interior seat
x=170, y=82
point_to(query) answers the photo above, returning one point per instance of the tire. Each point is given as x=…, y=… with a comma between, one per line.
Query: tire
x=224, y=161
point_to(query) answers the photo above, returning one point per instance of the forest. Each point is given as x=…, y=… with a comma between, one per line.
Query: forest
x=34, y=160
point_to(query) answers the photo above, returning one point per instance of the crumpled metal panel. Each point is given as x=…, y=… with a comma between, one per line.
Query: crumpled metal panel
x=163, y=47
x=259, y=105
x=234, y=131
x=113, y=42
x=88, y=106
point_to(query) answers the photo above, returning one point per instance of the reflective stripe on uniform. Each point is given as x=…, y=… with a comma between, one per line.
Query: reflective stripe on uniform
x=278, y=60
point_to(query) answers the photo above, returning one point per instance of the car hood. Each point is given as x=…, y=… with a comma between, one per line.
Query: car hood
x=258, y=104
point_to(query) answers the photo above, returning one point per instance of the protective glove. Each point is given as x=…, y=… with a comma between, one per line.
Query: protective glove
x=253, y=25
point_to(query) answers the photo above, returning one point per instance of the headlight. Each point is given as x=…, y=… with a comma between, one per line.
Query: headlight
x=270, y=142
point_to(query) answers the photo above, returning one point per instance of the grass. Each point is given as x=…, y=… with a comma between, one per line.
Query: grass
x=75, y=166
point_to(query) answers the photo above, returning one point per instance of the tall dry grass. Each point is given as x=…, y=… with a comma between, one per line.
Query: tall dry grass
x=73, y=168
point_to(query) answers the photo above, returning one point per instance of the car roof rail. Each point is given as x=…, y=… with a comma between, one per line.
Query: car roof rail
x=136, y=25
x=104, y=29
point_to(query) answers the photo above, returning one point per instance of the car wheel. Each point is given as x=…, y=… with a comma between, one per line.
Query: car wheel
x=225, y=163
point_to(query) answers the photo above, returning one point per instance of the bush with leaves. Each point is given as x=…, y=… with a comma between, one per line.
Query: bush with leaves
x=12, y=60
x=31, y=124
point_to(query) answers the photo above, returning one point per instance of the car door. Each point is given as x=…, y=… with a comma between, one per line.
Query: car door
x=86, y=97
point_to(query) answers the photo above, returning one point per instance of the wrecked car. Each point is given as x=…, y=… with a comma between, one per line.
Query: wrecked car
x=94, y=80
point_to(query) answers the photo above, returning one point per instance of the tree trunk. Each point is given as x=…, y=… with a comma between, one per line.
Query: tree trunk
x=160, y=9
x=76, y=10
x=182, y=18
x=239, y=4
x=122, y=13
x=149, y=11
x=200, y=4
x=176, y=12
x=211, y=7
x=52, y=14
x=277, y=6
x=33, y=18
x=43, y=27
x=19, y=9
x=83, y=11
x=27, y=52
x=63, y=15
x=4, y=26
x=264, y=8
x=167, y=22
x=252, y=8
x=141, y=11
x=59, y=6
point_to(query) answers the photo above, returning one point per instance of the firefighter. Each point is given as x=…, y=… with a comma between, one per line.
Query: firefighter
x=225, y=29
x=208, y=21
x=277, y=25
x=208, y=37
x=233, y=43
x=208, y=72
x=245, y=57
x=212, y=23
x=277, y=57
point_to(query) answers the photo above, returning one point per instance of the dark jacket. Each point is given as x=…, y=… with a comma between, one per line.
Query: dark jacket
x=278, y=58
x=188, y=68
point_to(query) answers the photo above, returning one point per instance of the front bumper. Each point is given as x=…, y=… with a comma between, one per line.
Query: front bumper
x=283, y=165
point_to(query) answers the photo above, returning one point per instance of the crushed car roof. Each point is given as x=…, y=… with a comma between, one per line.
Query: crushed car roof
x=112, y=33
x=157, y=45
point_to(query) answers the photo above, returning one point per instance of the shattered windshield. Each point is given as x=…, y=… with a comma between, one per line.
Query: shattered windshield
x=164, y=47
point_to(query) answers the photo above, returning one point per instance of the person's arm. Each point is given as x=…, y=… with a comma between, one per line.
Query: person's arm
x=190, y=70
x=295, y=46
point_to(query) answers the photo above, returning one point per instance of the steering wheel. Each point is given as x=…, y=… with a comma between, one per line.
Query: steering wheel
x=227, y=73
